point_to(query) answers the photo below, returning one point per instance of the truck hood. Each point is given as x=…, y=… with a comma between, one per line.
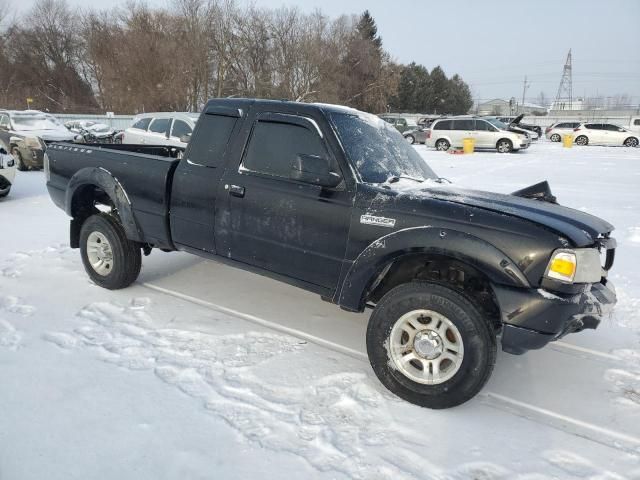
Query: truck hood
x=579, y=227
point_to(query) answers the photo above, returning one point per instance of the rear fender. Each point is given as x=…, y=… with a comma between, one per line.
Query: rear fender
x=103, y=179
x=373, y=260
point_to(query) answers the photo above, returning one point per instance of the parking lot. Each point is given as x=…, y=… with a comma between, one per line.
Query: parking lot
x=181, y=375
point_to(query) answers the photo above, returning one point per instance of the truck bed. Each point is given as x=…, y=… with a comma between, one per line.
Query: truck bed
x=144, y=172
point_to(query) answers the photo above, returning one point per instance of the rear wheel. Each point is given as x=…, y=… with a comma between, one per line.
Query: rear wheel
x=430, y=345
x=504, y=145
x=18, y=156
x=109, y=257
x=582, y=140
x=442, y=145
x=631, y=142
x=411, y=139
x=555, y=137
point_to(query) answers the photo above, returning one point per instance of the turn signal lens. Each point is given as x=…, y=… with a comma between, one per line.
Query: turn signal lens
x=562, y=266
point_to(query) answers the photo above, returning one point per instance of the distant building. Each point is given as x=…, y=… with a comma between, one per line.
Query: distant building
x=576, y=104
x=500, y=107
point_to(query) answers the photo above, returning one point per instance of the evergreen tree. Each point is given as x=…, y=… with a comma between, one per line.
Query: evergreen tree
x=458, y=100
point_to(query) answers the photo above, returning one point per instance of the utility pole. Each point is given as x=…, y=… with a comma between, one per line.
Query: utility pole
x=525, y=86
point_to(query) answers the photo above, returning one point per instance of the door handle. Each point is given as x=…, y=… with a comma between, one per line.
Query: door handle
x=236, y=191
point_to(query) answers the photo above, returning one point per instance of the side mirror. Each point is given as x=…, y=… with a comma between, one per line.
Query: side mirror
x=314, y=170
x=185, y=138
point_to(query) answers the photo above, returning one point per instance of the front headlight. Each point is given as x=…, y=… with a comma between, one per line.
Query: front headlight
x=33, y=142
x=562, y=266
x=579, y=265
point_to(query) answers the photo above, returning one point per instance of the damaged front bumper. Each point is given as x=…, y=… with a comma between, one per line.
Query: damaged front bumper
x=534, y=317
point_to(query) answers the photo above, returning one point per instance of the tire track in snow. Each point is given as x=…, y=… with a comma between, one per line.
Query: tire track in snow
x=543, y=416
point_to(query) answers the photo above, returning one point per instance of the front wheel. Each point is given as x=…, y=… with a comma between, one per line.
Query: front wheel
x=411, y=139
x=582, y=140
x=555, y=137
x=631, y=142
x=430, y=345
x=18, y=156
x=504, y=146
x=442, y=145
x=109, y=257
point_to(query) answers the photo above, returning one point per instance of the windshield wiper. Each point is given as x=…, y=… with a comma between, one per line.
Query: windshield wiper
x=396, y=178
x=442, y=180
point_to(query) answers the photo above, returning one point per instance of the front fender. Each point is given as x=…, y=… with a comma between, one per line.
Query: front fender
x=102, y=178
x=495, y=264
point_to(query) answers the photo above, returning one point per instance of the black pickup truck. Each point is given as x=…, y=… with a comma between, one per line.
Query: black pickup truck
x=335, y=201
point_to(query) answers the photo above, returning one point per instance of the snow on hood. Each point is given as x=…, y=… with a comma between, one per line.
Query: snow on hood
x=50, y=135
x=580, y=227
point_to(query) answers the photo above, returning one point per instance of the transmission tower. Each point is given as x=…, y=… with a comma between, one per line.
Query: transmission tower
x=564, y=98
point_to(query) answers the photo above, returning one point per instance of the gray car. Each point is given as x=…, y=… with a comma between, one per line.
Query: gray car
x=416, y=135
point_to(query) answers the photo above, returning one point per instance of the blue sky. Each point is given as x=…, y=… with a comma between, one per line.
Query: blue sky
x=493, y=44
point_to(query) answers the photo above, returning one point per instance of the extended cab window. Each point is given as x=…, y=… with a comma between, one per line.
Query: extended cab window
x=274, y=146
x=142, y=124
x=210, y=139
x=160, y=125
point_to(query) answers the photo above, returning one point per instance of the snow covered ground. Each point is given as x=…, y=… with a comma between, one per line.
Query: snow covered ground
x=201, y=371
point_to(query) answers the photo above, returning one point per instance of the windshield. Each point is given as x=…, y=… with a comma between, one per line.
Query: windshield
x=34, y=122
x=497, y=123
x=377, y=150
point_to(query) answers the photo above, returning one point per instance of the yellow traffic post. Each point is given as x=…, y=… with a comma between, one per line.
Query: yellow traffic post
x=567, y=141
x=468, y=145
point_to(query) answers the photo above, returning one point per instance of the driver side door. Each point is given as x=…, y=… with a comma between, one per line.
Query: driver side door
x=279, y=224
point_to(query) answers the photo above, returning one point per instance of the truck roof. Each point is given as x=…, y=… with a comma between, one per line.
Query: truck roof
x=244, y=103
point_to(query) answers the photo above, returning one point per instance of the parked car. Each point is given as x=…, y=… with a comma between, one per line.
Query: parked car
x=7, y=171
x=488, y=133
x=335, y=201
x=402, y=124
x=558, y=129
x=516, y=121
x=27, y=132
x=172, y=129
x=416, y=135
x=88, y=131
x=605, y=134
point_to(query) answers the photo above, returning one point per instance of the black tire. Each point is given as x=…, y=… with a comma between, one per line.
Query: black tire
x=582, y=140
x=127, y=259
x=4, y=194
x=18, y=156
x=555, y=137
x=442, y=145
x=477, y=336
x=411, y=139
x=631, y=142
x=504, y=145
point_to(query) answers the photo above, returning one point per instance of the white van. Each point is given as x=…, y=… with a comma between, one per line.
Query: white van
x=487, y=133
x=169, y=128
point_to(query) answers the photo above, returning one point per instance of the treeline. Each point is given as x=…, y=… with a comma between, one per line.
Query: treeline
x=140, y=58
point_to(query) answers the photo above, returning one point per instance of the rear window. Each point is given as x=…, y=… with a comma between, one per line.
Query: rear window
x=442, y=125
x=142, y=124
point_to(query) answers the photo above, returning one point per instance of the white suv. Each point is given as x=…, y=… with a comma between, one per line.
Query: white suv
x=605, y=134
x=161, y=129
x=487, y=133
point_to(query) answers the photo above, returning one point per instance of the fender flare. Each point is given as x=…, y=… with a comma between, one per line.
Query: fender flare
x=489, y=260
x=102, y=178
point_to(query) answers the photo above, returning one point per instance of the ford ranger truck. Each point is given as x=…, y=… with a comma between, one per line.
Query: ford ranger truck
x=335, y=201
